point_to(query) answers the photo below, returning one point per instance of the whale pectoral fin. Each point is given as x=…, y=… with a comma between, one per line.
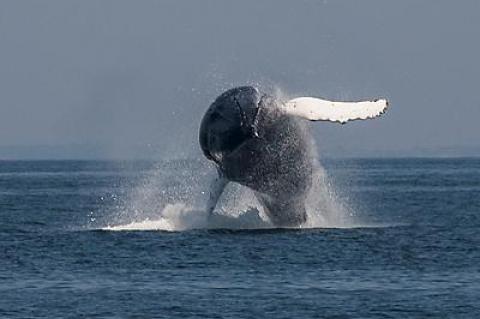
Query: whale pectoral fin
x=216, y=189
x=315, y=109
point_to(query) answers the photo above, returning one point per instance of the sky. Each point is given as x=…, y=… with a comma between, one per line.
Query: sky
x=122, y=79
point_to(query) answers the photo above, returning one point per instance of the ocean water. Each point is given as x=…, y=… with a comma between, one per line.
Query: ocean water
x=388, y=238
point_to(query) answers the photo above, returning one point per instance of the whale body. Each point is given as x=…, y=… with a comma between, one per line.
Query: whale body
x=263, y=143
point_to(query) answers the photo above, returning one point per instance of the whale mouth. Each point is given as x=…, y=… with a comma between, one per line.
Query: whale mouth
x=234, y=141
x=224, y=137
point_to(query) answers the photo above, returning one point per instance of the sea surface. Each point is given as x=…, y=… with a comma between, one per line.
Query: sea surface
x=100, y=239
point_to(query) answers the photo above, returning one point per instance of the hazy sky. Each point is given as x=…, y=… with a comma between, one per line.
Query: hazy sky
x=127, y=76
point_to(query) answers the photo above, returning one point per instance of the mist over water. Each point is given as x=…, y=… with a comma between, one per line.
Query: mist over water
x=173, y=198
x=237, y=209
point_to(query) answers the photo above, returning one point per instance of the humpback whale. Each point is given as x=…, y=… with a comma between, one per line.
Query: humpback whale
x=262, y=142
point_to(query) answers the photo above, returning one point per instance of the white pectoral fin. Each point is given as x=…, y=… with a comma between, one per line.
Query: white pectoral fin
x=315, y=109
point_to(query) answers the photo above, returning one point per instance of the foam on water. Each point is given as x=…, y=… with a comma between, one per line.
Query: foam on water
x=173, y=199
x=179, y=217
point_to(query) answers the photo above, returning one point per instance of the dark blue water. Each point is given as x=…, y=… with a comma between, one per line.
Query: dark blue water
x=423, y=259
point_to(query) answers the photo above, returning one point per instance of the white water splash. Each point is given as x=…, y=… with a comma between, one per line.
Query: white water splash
x=179, y=217
x=173, y=199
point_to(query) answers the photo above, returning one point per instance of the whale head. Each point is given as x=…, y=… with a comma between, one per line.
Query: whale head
x=229, y=122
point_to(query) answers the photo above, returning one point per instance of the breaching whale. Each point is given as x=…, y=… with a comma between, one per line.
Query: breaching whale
x=261, y=142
